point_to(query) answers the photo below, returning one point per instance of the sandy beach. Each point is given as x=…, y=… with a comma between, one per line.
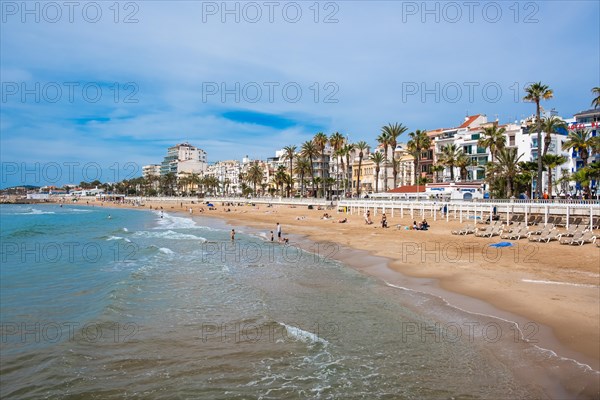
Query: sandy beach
x=553, y=287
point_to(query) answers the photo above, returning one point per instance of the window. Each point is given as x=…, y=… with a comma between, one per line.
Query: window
x=481, y=150
x=511, y=140
x=467, y=149
x=475, y=136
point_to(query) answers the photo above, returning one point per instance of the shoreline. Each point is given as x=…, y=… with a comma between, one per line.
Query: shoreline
x=566, y=316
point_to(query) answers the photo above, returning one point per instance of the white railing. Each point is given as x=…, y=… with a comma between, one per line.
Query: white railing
x=465, y=210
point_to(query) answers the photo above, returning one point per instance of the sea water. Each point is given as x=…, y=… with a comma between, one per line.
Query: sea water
x=112, y=303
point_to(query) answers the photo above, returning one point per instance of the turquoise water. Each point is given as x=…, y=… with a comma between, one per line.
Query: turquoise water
x=112, y=303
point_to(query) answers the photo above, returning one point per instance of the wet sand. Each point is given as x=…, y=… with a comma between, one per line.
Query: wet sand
x=555, y=287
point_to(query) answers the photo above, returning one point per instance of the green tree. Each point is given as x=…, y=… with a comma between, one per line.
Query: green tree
x=449, y=156
x=394, y=131
x=377, y=159
x=337, y=141
x=384, y=140
x=551, y=125
x=289, y=154
x=309, y=151
x=508, y=166
x=493, y=139
x=596, y=101
x=552, y=161
x=418, y=142
x=361, y=147
x=255, y=175
x=320, y=140
x=535, y=93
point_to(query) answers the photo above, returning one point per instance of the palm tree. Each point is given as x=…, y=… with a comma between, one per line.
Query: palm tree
x=336, y=140
x=346, y=151
x=437, y=169
x=550, y=125
x=361, y=147
x=377, y=159
x=418, y=142
x=493, y=139
x=535, y=93
x=289, y=153
x=462, y=162
x=302, y=169
x=449, y=156
x=320, y=140
x=255, y=175
x=581, y=141
x=280, y=178
x=596, y=101
x=552, y=161
x=309, y=151
x=584, y=143
x=168, y=183
x=394, y=131
x=508, y=166
x=384, y=139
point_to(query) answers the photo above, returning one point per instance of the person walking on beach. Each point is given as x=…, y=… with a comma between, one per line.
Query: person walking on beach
x=384, y=221
x=278, y=232
x=232, y=235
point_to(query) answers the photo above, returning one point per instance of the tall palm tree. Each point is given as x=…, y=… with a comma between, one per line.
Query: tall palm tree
x=280, y=178
x=418, y=142
x=535, y=93
x=581, y=141
x=302, y=169
x=584, y=143
x=255, y=175
x=394, y=131
x=320, y=140
x=552, y=161
x=437, y=169
x=462, y=162
x=596, y=101
x=384, y=139
x=346, y=151
x=289, y=153
x=336, y=141
x=508, y=166
x=377, y=159
x=550, y=125
x=449, y=157
x=361, y=147
x=493, y=139
x=309, y=151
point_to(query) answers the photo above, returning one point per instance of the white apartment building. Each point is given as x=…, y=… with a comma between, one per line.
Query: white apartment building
x=184, y=158
x=151, y=170
x=228, y=174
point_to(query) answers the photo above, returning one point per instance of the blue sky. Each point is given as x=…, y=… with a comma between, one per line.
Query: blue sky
x=101, y=88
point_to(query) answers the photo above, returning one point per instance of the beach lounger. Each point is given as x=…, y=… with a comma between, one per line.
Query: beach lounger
x=518, y=234
x=492, y=230
x=552, y=235
x=573, y=229
x=558, y=221
x=569, y=240
x=596, y=223
x=465, y=230
x=542, y=231
x=587, y=237
x=551, y=219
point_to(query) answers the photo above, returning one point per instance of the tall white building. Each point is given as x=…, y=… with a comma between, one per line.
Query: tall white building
x=184, y=158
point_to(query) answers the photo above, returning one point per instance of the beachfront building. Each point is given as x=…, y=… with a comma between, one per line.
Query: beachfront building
x=406, y=162
x=227, y=173
x=586, y=120
x=151, y=170
x=184, y=158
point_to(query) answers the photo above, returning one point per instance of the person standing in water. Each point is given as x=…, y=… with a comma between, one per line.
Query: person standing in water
x=232, y=235
x=278, y=232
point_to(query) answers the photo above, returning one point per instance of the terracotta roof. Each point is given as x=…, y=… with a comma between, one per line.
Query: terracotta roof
x=408, y=189
x=469, y=120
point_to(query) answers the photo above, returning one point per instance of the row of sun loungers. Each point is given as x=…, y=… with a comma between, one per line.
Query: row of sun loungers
x=575, y=235
x=556, y=220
